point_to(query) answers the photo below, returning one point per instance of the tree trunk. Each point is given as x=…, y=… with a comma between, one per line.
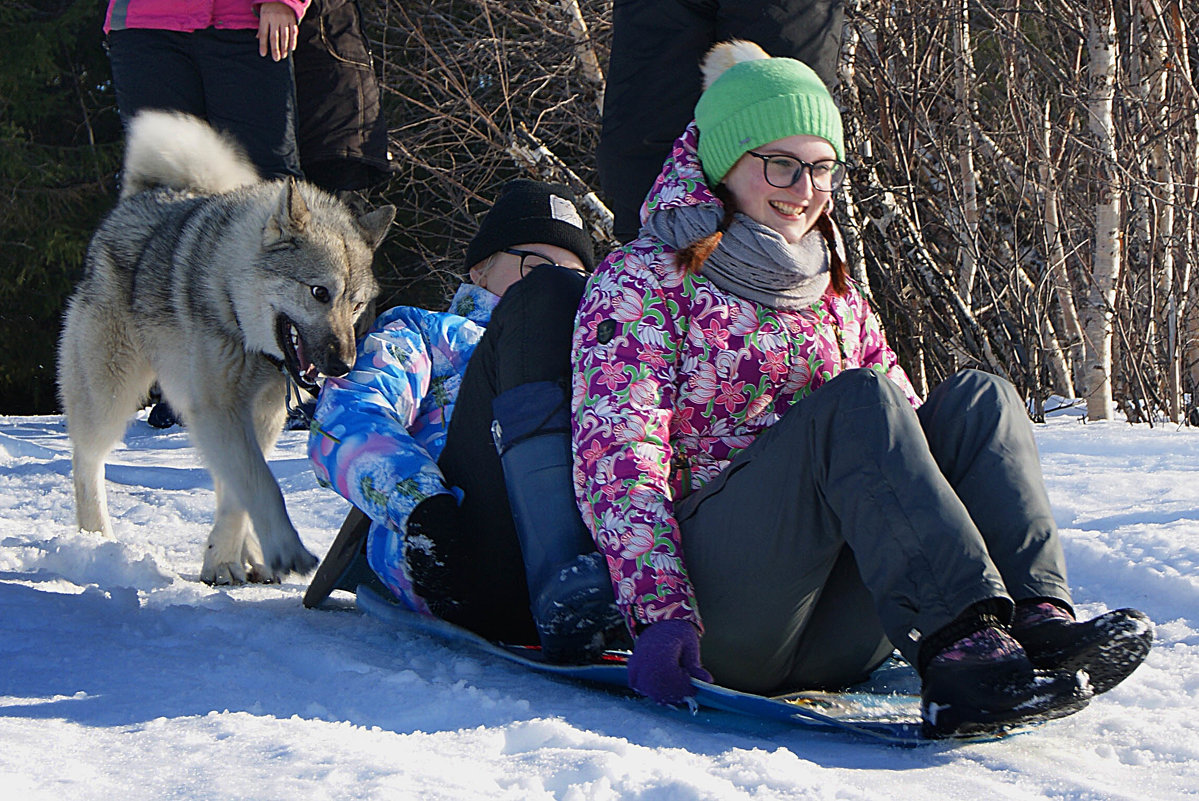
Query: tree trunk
x=1107, y=245
x=1056, y=260
x=964, y=74
x=851, y=218
x=1162, y=197
x=584, y=50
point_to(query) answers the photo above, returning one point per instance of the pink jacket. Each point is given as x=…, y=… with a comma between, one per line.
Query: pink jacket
x=673, y=377
x=189, y=15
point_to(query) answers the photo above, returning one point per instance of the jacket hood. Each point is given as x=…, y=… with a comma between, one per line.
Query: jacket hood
x=682, y=181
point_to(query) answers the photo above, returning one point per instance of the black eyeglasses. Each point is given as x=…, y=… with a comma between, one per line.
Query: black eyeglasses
x=540, y=261
x=783, y=171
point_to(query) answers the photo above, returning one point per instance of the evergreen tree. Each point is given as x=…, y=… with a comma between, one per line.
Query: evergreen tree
x=60, y=146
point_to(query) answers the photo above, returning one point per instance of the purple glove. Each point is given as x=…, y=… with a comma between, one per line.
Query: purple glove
x=665, y=659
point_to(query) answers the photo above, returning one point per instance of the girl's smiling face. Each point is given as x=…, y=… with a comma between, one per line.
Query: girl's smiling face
x=791, y=211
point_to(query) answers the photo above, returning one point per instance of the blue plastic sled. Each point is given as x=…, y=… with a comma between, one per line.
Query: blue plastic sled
x=891, y=717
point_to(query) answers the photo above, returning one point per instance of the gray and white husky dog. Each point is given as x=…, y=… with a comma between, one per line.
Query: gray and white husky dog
x=212, y=282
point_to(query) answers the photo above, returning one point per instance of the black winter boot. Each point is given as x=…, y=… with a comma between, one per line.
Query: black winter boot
x=1108, y=648
x=162, y=416
x=433, y=551
x=569, y=586
x=984, y=683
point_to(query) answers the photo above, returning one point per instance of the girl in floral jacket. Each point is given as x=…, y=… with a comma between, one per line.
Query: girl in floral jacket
x=758, y=470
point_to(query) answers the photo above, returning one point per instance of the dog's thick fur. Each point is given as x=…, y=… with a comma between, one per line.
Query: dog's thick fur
x=213, y=282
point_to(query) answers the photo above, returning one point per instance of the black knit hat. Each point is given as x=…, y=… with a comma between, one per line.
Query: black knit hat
x=527, y=212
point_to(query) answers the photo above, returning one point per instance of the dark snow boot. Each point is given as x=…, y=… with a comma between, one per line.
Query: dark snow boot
x=1108, y=648
x=345, y=566
x=436, y=558
x=570, y=590
x=162, y=416
x=984, y=684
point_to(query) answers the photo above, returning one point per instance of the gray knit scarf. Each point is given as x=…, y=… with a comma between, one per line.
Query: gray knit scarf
x=752, y=261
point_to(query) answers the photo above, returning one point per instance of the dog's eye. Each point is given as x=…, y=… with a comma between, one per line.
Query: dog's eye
x=320, y=293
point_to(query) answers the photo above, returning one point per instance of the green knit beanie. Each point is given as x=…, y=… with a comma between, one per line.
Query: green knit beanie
x=751, y=99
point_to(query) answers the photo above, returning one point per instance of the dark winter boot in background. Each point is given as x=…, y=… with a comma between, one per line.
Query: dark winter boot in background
x=984, y=683
x=161, y=414
x=299, y=418
x=1108, y=648
x=569, y=587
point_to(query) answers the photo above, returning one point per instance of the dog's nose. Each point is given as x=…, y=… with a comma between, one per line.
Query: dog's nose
x=336, y=367
x=335, y=360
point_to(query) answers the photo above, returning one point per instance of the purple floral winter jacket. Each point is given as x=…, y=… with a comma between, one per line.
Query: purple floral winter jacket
x=673, y=377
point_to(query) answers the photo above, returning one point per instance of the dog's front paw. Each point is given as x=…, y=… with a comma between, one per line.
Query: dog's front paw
x=234, y=573
x=298, y=561
x=275, y=566
x=261, y=574
x=223, y=574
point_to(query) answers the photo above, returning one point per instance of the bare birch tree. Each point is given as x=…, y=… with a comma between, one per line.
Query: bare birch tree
x=966, y=113
x=1105, y=268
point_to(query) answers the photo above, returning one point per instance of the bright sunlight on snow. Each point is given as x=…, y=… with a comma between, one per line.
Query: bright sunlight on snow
x=123, y=676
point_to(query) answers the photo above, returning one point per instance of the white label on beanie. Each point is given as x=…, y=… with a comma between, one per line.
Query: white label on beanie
x=562, y=209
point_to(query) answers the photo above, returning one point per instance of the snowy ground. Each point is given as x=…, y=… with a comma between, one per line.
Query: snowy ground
x=122, y=676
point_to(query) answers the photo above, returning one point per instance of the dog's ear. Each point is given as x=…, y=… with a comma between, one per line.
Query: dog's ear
x=374, y=224
x=288, y=220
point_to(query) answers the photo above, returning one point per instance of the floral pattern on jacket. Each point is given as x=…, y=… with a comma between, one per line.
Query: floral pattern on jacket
x=379, y=429
x=673, y=377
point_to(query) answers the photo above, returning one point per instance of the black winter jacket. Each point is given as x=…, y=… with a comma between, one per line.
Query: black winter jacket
x=340, y=128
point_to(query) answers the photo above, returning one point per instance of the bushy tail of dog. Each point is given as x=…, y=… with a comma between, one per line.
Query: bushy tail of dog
x=179, y=151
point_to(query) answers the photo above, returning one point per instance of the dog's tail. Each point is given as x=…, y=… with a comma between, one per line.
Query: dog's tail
x=179, y=151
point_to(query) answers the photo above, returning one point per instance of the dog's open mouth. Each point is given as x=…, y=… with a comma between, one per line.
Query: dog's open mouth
x=295, y=360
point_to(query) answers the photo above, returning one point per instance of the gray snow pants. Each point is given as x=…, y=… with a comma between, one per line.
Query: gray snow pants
x=854, y=523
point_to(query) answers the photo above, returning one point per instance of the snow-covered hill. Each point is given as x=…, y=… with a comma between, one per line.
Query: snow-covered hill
x=122, y=676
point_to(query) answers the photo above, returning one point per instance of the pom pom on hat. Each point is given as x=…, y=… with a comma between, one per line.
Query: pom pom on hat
x=751, y=99
x=725, y=55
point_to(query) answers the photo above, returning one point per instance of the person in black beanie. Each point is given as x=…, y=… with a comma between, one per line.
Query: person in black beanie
x=451, y=438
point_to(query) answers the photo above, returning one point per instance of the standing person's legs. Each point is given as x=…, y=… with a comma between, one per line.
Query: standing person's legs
x=807, y=30
x=653, y=82
x=848, y=466
x=251, y=97
x=980, y=435
x=154, y=69
x=340, y=128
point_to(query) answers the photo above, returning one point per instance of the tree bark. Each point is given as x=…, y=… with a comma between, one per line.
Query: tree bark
x=1107, y=243
x=964, y=74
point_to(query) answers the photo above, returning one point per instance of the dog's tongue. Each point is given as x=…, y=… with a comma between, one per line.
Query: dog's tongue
x=310, y=375
x=307, y=368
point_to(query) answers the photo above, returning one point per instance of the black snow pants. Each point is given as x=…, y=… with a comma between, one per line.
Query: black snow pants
x=855, y=523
